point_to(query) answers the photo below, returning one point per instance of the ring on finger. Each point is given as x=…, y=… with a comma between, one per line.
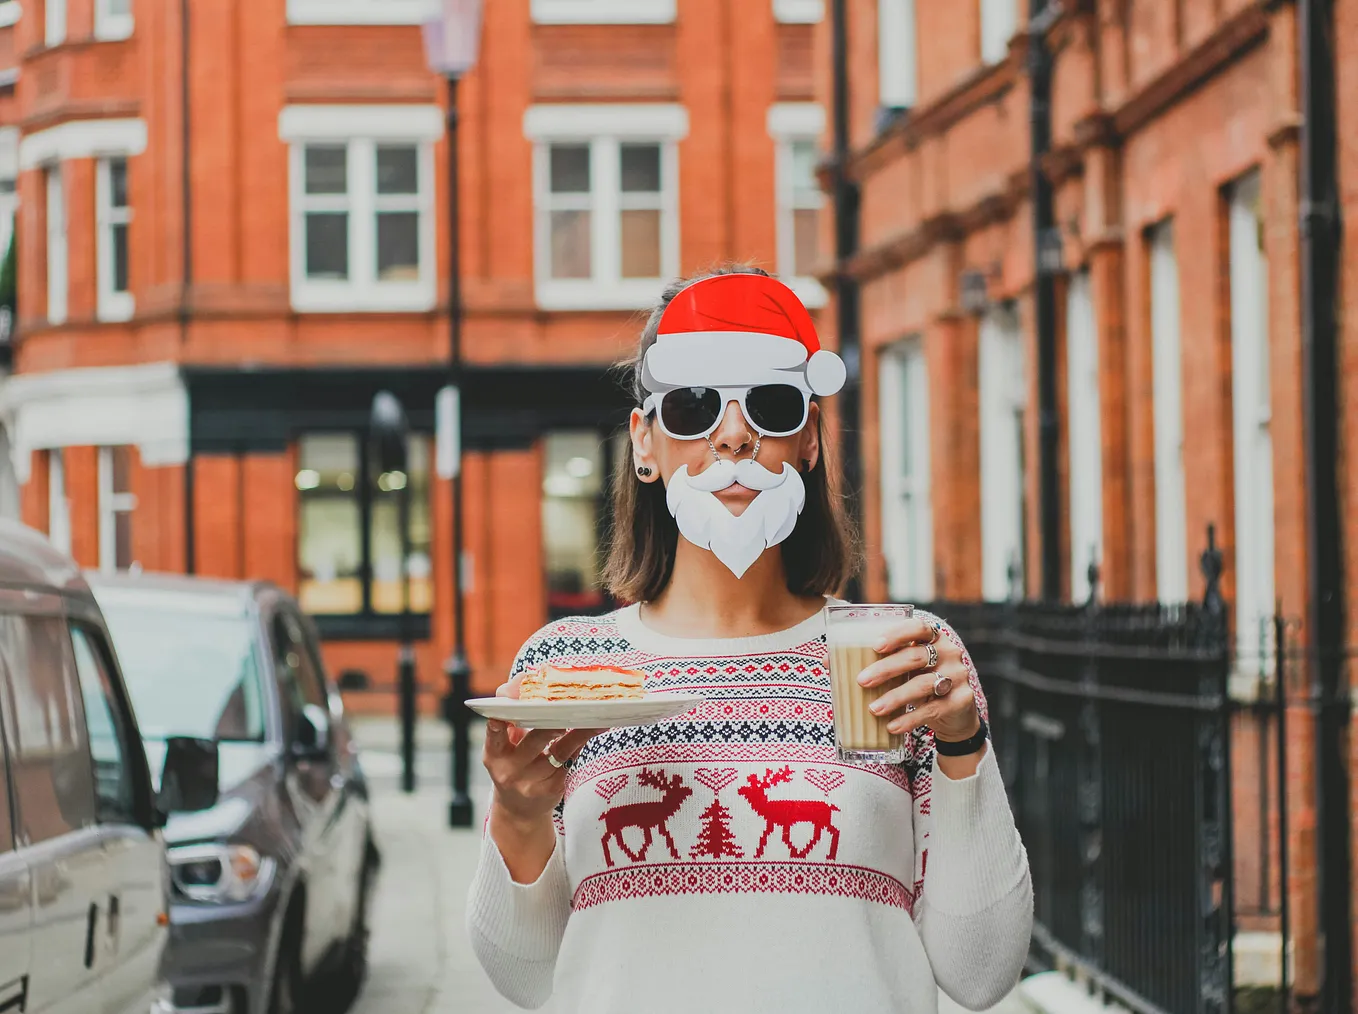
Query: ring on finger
x=553, y=761
x=936, y=630
x=942, y=686
x=932, y=662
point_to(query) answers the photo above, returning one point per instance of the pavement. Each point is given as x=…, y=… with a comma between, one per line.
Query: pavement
x=421, y=960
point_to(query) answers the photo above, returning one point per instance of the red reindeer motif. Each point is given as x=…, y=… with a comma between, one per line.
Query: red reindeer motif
x=649, y=816
x=787, y=813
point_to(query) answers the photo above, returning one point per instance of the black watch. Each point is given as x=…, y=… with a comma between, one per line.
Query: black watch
x=964, y=747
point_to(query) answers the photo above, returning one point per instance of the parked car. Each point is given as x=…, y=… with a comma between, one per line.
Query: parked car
x=271, y=886
x=84, y=886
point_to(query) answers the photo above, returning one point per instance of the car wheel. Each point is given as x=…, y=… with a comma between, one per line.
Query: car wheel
x=339, y=990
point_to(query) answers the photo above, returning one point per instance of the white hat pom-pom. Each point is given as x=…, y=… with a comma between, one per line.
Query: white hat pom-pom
x=825, y=373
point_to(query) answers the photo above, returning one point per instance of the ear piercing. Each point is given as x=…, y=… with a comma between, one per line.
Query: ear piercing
x=644, y=472
x=806, y=464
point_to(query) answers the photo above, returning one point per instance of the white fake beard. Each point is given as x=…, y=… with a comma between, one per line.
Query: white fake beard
x=737, y=541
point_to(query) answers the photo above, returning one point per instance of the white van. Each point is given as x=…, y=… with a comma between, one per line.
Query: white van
x=83, y=881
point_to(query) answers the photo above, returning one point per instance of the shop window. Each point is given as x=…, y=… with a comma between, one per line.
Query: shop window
x=349, y=535
x=574, y=486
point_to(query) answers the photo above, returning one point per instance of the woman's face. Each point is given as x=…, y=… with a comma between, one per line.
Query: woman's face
x=733, y=440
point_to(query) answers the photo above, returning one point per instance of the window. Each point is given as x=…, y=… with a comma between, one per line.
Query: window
x=573, y=487
x=54, y=22
x=1083, y=435
x=9, y=178
x=1171, y=534
x=114, y=790
x=1251, y=401
x=606, y=185
x=10, y=12
x=53, y=780
x=795, y=126
x=799, y=12
x=300, y=684
x=112, y=19
x=603, y=12
x=360, y=12
x=1003, y=398
x=349, y=536
x=114, y=214
x=56, y=247
x=897, y=61
x=907, y=511
x=58, y=506
x=999, y=22
x=116, y=504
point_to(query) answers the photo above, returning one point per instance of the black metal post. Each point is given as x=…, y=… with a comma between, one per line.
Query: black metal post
x=1321, y=237
x=846, y=204
x=458, y=668
x=406, y=664
x=1284, y=902
x=1044, y=295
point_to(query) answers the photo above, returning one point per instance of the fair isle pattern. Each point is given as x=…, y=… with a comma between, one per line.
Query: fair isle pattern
x=763, y=714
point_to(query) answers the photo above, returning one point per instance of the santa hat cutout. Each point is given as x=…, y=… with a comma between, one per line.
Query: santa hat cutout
x=738, y=329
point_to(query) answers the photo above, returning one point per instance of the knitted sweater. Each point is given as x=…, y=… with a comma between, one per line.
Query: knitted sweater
x=758, y=873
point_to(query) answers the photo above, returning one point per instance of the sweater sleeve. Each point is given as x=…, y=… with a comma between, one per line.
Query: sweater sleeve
x=516, y=929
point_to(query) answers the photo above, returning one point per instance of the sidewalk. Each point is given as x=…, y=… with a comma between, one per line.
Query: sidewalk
x=421, y=960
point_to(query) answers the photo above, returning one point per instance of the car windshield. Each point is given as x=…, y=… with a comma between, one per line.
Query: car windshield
x=191, y=666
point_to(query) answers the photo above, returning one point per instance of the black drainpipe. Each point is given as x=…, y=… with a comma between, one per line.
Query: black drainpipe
x=186, y=211
x=1041, y=15
x=1321, y=237
x=845, y=193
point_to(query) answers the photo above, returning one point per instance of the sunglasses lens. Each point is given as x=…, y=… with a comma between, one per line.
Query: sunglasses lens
x=690, y=411
x=776, y=408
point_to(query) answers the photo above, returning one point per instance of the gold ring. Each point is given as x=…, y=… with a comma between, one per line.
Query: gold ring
x=554, y=762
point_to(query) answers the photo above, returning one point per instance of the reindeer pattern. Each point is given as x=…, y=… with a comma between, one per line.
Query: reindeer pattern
x=650, y=816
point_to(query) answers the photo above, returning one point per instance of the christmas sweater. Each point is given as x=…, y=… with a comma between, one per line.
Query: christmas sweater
x=726, y=861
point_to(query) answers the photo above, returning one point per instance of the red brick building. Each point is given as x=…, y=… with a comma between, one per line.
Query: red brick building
x=233, y=233
x=1174, y=167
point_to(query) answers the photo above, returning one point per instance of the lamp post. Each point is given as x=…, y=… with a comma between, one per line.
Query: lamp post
x=451, y=43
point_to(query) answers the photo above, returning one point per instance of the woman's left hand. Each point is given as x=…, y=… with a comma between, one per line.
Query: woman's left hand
x=919, y=651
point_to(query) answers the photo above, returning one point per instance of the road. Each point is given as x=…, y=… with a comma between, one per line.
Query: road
x=422, y=962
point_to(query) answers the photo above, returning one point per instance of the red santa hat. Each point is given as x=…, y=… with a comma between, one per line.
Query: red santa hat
x=739, y=329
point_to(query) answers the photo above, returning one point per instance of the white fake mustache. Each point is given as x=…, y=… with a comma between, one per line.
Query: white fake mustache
x=737, y=541
x=748, y=472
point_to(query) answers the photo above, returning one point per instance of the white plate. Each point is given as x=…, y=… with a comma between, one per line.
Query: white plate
x=584, y=714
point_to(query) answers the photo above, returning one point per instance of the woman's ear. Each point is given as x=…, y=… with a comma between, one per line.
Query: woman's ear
x=808, y=451
x=643, y=457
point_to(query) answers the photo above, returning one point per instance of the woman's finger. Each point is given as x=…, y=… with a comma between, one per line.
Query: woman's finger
x=568, y=746
x=534, y=743
x=917, y=658
x=953, y=716
x=497, y=739
x=915, y=630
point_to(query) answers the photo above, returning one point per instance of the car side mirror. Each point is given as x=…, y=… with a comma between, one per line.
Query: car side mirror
x=311, y=738
x=189, y=779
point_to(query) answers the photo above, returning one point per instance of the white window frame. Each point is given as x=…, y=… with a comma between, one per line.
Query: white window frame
x=9, y=170
x=897, y=54
x=54, y=22
x=790, y=123
x=10, y=13
x=361, y=12
x=1251, y=401
x=604, y=128
x=58, y=505
x=907, y=500
x=1003, y=397
x=362, y=129
x=999, y=23
x=58, y=263
x=603, y=12
x=1083, y=434
x=111, y=26
x=1171, y=523
x=799, y=12
x=111, y=504
x=111, y=305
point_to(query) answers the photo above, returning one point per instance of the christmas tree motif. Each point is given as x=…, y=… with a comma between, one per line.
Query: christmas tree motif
x=715, y=839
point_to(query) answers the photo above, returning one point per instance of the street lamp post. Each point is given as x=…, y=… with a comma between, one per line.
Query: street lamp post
x=451, y=43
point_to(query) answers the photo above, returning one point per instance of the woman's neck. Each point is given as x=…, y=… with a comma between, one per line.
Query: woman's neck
x=704, y=599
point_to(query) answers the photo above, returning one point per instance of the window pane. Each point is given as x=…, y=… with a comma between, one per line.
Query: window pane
x=641, y=244
x=118, y=7
x=385, y=533
x=120, y=258
x=121, y=456
x=805, y=240
x=397, y=170
x=327, y=245
x=117, y=179
x=570, y=168
x=122, y=540
x=329, y=534
x=572, y=497
x=398, y=246
x=108, y=735
x=640, y=168
x=327, y=170
x=571, y=244
x=50, y=754
x=804, y=185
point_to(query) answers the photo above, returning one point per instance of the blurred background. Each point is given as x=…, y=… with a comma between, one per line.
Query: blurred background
x=1083, y=258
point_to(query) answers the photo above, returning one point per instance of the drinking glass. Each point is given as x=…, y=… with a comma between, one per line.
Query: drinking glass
x=851, y=632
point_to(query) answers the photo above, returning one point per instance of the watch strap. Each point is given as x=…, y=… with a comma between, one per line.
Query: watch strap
x=964, y=747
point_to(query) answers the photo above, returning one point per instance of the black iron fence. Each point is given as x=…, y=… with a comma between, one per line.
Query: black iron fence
x=1114, y=727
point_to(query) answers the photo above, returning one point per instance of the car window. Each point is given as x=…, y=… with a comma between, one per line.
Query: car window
x=299, y=684
x=110, y=742
x=49, y=752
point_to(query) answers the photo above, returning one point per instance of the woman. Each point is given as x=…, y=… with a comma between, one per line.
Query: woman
x=725, y=860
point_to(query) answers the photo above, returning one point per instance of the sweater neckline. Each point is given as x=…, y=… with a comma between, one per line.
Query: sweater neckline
x=639, y=635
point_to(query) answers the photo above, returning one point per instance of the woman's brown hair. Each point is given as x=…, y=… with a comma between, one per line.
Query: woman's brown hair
x=818, y=557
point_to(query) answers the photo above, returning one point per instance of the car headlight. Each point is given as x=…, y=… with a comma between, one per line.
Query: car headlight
x=219, y=873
